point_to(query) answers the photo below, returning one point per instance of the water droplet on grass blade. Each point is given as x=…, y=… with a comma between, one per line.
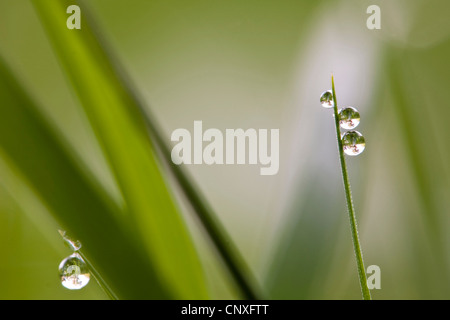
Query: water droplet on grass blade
x=326, y=99
x=75, y=245
x=353, y=143
x=74, y=272
x=349, y=118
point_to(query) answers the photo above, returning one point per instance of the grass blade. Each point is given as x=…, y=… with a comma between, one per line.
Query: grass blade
x=36, y=150
x=89, y=66
x=122, y=134
x=351, y=211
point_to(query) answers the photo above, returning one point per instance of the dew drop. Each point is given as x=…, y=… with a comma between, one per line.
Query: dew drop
x=353, y=143
x=74, y=272
x=75, y=245
x=326, y=99
x=349, y=118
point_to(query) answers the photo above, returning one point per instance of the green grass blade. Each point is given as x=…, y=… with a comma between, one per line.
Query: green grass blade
x=422, y=170
x=122, y=134
x=83, y=47
x=351, y=211
x=36, y=150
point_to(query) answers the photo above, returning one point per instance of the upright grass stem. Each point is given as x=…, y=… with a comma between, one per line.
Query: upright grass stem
x=351, y=211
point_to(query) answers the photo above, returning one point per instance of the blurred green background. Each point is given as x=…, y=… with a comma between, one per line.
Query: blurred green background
x=244, y=64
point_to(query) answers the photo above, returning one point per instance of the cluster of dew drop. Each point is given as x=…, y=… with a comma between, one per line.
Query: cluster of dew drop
x=353, y=142
x=73, y=270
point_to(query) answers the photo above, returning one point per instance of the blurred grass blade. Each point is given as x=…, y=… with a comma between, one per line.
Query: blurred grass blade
x=123, y=126
x=406, y=121
x=122, y=134
x=405, y=107
x=34, y=149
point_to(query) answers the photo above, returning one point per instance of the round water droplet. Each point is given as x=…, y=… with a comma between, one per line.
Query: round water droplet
x=326, y=99
x=353, y=143
x=349, y=118
x=74, y=272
